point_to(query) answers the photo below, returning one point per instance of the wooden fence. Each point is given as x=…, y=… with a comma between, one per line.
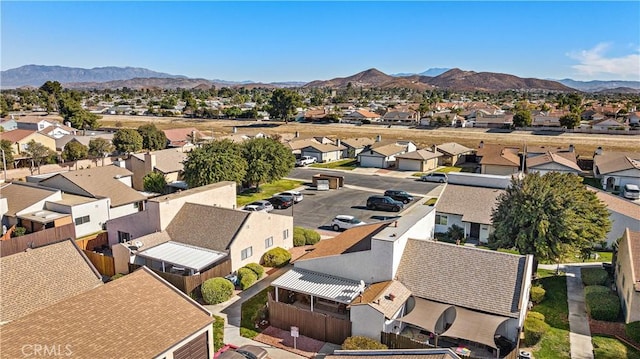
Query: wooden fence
x=396, y=341
x=95, y=240
x=311, y=324
x=103, y=263
x=188, y=284
x=37, y=239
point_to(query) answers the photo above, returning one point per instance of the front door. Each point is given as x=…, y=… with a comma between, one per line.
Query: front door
x=475, y=231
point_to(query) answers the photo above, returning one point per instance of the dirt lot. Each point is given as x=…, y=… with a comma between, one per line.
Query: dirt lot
x=585, y=143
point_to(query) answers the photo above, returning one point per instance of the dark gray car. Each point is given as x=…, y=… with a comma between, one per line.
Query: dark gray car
x=384, y=203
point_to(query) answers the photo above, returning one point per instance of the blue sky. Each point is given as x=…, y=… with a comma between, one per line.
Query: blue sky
x=303, y=41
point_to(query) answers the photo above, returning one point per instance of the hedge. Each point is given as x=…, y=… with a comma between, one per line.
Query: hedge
x=218, y=332
x=311, y=236
x=216, y=290
x=633, y=331
x=594, y=276
x=304, y=236
x=256, y=268
x=247, y=277
x=602, y=303
x=277, y=257
x=537, y=294
x=360, y=342
x=534, y=328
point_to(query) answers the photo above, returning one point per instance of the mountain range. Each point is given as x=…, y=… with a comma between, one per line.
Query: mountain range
x=454, y=79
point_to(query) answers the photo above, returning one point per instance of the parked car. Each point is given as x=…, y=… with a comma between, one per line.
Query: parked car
x=631, y=191
x=297, y=196
x=384, y=203
x=230, y=351
x=254, y=208
x=435, y=177
x=399, y=195
x=305, y=161
x=343, y=221
x=281, y=202
x=262, y=206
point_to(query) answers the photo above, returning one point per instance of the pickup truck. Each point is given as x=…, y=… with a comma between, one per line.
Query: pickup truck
x=305, y=161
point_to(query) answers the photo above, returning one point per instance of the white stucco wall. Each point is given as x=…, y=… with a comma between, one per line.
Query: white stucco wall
x=366, y=321
x=622, y=178
x=451, y=220
x=499, y=170
x=97, y=210
x=137, y=224
x=125, y=209
x=552, y=167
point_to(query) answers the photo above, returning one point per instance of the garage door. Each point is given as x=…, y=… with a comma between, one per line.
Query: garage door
x=195, y=349
x=371, y=161
x=409, y=165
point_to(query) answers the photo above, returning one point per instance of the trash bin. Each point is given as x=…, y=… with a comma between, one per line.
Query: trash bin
x=524, y=355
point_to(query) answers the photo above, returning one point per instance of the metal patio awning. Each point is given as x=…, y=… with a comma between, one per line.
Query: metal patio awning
x=425, y=314
x=475, y=326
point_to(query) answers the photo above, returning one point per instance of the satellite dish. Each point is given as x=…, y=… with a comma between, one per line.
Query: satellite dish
x=362, y=285
x=138, y=244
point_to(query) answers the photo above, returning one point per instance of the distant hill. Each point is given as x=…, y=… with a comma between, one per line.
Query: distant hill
x=36, y=75
x=430, y=72
x=599, y=86
x=622, y=90
x=454, y=79
x=144, y=83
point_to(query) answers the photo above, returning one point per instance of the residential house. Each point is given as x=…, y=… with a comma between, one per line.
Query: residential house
x=137, y=311
x=58, y=131
x=20, y=141
x=355, y=145
x=468, y=207
x=184, y=137
x=446, y=118
x=82, y=139
x=622, y=213
x=634, y=119
x=547, y=119
x=493, y=121
x=563, y=162
x=627, y=273
x=37, y=278
x=160, y=211
x=408, y=117
x=8, y=124
x=242, y=237
x=297, y=144
x=89, y=215
x=453, y=154
x=110, y=182
x=616, y=169
x=36, y=123
x=418, y=161
x=362, y=116
x=383, y=154
x=166, y=162
x=323, y=152
x=498, y=159
x=607, y=124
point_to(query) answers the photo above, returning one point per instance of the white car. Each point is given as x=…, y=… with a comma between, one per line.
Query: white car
x=260, y=206
x=342, y=221
x=297, y=196
x=254, y=208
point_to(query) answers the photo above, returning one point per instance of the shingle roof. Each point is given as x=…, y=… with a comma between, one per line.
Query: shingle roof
x=206, y=226
x=137, y=316
x=180, y=134
x=298, y=144
x=609, y=162
x=420, y=155
x=191, y=191
x=618, y=204
x=102, y=182
x=474, y=204
x=358, y=142
x=476, y=279
x=320, y=147
x=20, y=196
x=352, y=240
x=633, y=241
x=36, y=119
x=499, y=155
x=37, y=278
x=452, y=148
x=16, y=135
x=367, y=114
x=389, y=149
x=377, y=296
x=167, y=161
x=566, y=159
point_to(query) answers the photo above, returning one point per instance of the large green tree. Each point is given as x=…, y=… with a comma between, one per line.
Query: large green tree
x=522, y=118
x=152, y=138
x=154, y=182
x=38, y=153
x=7, y=149
x=214, y=162
x=74, y=151
x=267, y=160
x=100, y=148
x=283, y=103
x=553, y=217
x=70, y=108
x=570, y=120
x=127, y=140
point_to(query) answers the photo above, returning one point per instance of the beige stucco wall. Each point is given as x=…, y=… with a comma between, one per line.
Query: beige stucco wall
x=629, y=297
x=139, y=170
x=49, y=142
x=257, y=228
x=498, y=170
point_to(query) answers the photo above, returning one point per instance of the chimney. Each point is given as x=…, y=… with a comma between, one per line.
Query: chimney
x=481, y=144
x=297, y=134
x=235, y=129
x=434, y=148
x=378, y=138
x=338, y=143
x=598, y=151
x=193, y=136
x=149, y=162
x=571, y=148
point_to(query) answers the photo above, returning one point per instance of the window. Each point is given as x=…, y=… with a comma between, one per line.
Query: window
x=441, y=219
x=285, y=234
x=123, y=237
x=268, y=242
x=81, y=220
x=246, y=253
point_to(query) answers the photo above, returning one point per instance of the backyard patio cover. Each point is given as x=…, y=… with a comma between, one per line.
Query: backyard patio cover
x=321, y=285
x=475, y=326
x=425, y=314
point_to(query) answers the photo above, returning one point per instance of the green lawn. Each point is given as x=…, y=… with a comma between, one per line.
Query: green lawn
x=449, y=169
x=348, y=164
x=593, y=182
x=266, y=191
x=612, y=348
x=250, y=311
x=503, y=250
x=431, y=201
x=555, y=343
x=218, y=332
x=602, y=257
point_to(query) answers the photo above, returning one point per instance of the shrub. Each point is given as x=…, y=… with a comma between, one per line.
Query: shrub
x=537, y=294
x=116, y=276
x=256, y=268
x=299, y=237
x=359, y=343
x=246, y=277
x=594, y=276
x=19, y=231
x=216, y=290
x=311, y=236
x=277, y=257
x=633, y=331
x=602, y=303
x=534, y=328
